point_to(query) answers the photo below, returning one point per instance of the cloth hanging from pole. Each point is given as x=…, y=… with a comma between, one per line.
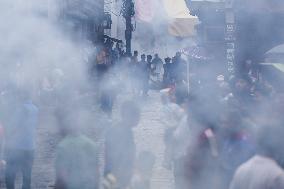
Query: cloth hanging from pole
x=177, y=15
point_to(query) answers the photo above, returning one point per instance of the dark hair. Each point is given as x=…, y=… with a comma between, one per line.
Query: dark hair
x=168, y=59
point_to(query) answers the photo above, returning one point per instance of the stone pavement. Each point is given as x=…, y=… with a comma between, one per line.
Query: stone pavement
x=148, y=136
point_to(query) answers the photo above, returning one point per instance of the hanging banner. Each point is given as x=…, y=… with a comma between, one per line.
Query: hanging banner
x=173, y=13
x=181, y=23
x=144, y=10
x=183, y=27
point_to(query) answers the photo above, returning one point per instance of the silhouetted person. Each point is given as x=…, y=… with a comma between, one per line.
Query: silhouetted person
x=235, y=143
x=108, y=94
x=134, y=72
x=157, y=71
x=263, y=171
x=167, y=72
x=157, y=59
x=144, y=74
x=178, y=67
x=134, y=63
x=147, y=72
x=20, y=140
x=120, y=146
x=76, y=160
x=134, y=58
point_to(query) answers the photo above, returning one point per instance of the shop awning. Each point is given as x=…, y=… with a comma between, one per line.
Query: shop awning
x=275, y=55
x=278, y=66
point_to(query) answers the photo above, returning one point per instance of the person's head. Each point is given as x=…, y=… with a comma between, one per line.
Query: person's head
x=107, y=41
x=136, y=53
x=149, y=58
x=167, y=60
x=178, y=54
x=156, y=55
x=117, y=45
x=143, y=57
x=111, y=45
x=230, y=121
x=242, y=84
x=130, y=113
x=248, y=64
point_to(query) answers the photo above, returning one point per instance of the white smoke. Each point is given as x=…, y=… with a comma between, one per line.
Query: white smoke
x=33, y=46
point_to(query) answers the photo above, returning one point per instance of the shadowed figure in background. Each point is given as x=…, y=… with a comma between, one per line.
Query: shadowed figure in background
x=178, y=67
x=167, y=74
x=147, y=74
x=143, y=75
x=265, y=170
x=120, y=146
x=20, y=133
x=157, y=69
x=134, y=73
x=108, y=92
x=76, y=160
x=236, y=144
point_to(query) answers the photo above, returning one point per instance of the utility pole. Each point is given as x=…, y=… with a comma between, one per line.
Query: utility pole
x=128, y=12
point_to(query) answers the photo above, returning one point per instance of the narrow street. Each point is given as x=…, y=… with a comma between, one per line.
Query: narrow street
x=148, y=136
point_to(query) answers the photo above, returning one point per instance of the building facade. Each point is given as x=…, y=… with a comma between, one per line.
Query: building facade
x=239, y=30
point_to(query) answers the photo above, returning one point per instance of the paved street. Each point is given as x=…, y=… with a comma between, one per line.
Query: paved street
x=148, y=136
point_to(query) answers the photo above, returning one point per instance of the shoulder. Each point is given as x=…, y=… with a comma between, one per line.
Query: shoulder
x=239, y=176
x=71, y=142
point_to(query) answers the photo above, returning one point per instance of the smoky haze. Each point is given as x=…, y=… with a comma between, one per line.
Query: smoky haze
x=41, y=57
x=40, y=53
x=35, y=46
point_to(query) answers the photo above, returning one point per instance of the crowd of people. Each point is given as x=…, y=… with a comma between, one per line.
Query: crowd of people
x=115, y=71
x=147, y=69
x=222, y=133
